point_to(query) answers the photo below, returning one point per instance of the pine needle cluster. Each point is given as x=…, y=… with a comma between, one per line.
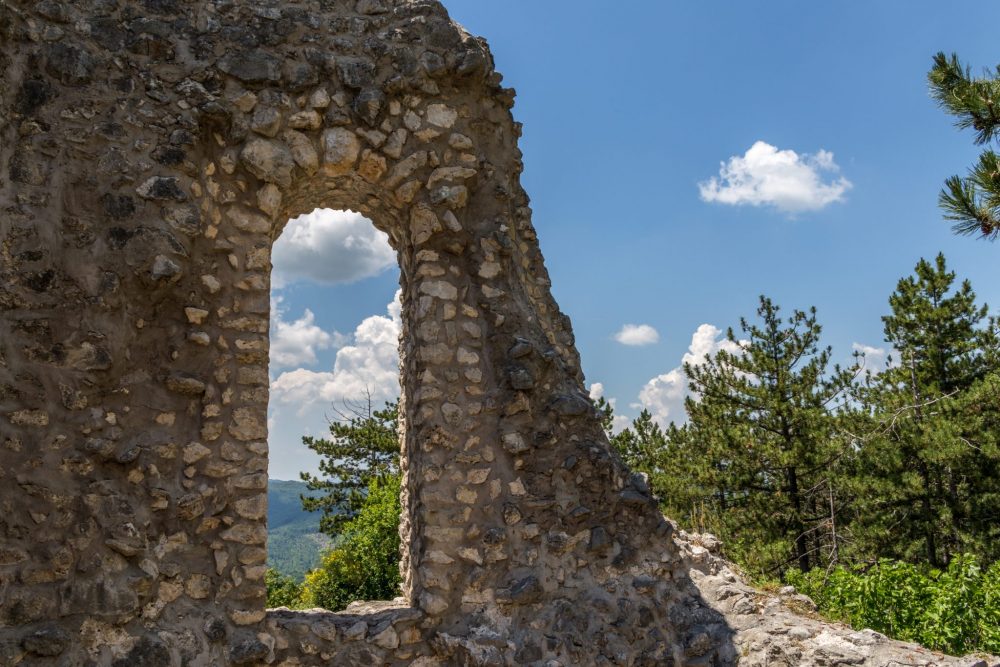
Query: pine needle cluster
x=971, y=202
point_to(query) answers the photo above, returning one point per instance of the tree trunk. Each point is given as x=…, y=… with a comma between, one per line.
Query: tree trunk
x=801, y=543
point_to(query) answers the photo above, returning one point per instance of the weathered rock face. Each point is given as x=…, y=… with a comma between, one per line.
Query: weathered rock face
x=150, y=152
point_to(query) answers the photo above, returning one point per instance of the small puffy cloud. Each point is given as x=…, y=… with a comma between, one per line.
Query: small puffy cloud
x=874, y=358
x=766, y=176
x=369, y=365
x=664, y=394
x=294, y=343
x=330, y=247
x=637, y=334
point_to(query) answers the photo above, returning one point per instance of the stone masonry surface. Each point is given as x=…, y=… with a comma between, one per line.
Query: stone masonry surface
x=150, y=153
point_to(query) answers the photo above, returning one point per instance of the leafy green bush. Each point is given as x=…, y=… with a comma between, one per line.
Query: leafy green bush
x=956, y=610
x=282, y=591
x=365, y=563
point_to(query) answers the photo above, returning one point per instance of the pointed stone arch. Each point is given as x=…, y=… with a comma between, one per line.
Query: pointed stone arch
x=151, y=153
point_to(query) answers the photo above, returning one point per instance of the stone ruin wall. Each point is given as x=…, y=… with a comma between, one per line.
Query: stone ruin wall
x=150, y=153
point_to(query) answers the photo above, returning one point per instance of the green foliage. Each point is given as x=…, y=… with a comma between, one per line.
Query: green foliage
x=363, y=446
x=973, y=202
x=956, y=610
x=936, y=330
x=365, y=563
x=282, y=590
x=925, y=465
x=643, y=446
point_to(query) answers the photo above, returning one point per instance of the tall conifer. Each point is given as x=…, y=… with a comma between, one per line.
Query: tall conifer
x=926, y=468
x=761, y=434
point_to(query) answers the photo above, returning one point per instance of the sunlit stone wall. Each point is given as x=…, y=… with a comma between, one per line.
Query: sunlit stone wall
x=150, y=152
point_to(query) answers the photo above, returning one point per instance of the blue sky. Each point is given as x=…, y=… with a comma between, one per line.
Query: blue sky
x=625, y=113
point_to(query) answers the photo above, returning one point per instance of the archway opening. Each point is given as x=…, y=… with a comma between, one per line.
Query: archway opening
x=333, y=493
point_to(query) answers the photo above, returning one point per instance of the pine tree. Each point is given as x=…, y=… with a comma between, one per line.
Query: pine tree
x=927, y=469
x=972, y=202
x=642, y=445
x=363, y=446
x=761, y=441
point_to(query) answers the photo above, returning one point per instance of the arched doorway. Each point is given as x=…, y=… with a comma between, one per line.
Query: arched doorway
x=334, y=379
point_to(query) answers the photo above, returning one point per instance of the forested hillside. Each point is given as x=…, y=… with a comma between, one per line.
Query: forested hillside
x=294, y=541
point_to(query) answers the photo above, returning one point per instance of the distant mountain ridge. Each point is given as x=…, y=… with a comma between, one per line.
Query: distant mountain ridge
x=294, y=543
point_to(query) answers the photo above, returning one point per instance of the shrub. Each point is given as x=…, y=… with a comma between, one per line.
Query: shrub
x=365, y=563
x=956, y=610
x=282, y=591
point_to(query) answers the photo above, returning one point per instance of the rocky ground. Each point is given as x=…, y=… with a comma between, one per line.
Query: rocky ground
x=781, y=630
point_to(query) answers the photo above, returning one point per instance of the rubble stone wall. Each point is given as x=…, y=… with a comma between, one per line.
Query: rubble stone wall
x=150, y=153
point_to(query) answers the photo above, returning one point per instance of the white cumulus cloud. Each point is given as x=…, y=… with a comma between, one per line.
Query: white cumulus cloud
x=784, y=179
x=664, y=394
x=637, y=334
x=330, y=247
x=874, y=358
x=294, y=343
x=369, y=365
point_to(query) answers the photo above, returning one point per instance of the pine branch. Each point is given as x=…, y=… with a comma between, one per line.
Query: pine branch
x=971, y=203
x=971, y=100
x=960, y=201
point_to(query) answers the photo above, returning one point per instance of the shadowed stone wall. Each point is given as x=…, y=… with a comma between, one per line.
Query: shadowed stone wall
x=150, y=152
